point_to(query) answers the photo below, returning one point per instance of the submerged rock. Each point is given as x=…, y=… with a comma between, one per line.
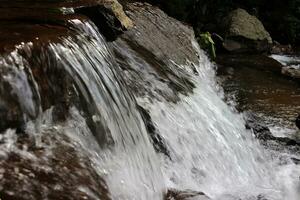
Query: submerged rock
x=158, y=142
x=50, y=169
x=263, y=133
x=259, y=128
x=298, y=121
x=185, y=195
x=245, y=33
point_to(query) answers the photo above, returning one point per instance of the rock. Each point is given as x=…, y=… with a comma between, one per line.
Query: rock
x=260, y=129
x=173, y=194
x=263, y=133
x=157, y=41
x=54, y=170
x=158, y=142
x=20, y=73
x=245, y=33
x=109, y=18
x=281, y=49
x=167, y=38
x=261, y=62
x=108, y=15
x=291, y=71
x=298, y=121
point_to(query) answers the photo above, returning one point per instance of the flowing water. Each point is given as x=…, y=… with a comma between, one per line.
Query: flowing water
x=210, y=149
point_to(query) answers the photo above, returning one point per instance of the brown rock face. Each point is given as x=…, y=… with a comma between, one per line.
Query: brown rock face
x=157, y=42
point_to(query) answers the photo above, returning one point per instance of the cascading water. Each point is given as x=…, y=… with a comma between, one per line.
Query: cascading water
x=210, y=149
x=131, y=158
x=128, y=157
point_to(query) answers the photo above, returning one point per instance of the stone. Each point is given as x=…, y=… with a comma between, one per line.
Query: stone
x=263, y=133
x=109, y=17
x=298, y=121
x=56, y=170
x=173, y=194
x=157, y=41
x=245, y=33
x=291, y=71
x=259, y=128
x=257, y=61
x=157, y=140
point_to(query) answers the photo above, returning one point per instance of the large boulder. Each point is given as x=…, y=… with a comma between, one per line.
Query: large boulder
x=245, y=33
x=157, y=41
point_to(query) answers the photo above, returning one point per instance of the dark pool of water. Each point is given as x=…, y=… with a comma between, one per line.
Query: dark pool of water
x=273, y=97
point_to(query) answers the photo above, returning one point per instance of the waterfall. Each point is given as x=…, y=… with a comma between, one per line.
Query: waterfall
x=130, y=159
x=210, y=149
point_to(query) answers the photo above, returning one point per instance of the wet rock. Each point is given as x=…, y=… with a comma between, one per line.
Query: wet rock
x=281, y=49
x=158, y=142
x=52, y=169
x=291, y=71
x=27, y=84
x=109, y=18
x=245, y=33
x=261, y=62
x=173, y=194
x=298, y=121
x=157, y=41
x=263, y=133
x=260, y=129
x=168, y=39
x=108, y=15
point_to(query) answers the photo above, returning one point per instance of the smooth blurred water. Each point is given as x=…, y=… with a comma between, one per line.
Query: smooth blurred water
x=210, y=148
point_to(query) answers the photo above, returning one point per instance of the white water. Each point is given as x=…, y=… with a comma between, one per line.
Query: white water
x=210, y=149
x=291, y=61
x=128, y=162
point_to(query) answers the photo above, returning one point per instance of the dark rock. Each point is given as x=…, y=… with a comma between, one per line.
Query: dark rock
x=54, y=171
x=260, y=129
x=173, y=194
x=261, y=62
x=20, y=98
x=291, y=71
x=298, y=121
x=281, y=49
x=109, y=17
x=263, y=133
x=158, y=142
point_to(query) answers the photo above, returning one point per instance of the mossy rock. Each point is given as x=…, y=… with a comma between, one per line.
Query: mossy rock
x=246, y=31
